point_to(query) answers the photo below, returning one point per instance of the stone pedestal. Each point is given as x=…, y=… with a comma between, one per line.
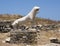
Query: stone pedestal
x=28, y=37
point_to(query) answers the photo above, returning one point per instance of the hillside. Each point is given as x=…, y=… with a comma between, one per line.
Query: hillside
x=16, y=16
x=47, y=29
x=9, y=17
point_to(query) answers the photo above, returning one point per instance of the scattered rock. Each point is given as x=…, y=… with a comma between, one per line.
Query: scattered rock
x=55, y=40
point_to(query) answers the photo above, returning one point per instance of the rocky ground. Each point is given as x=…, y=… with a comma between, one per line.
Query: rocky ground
x=47, y=33
x=44, y=33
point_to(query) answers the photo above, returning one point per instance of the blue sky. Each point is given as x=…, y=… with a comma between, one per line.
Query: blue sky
x=49, y=9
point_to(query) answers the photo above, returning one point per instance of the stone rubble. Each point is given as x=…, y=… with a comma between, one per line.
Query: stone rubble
x=6, y=26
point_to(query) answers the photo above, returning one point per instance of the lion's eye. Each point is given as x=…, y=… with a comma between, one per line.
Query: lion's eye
x=37, y=9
